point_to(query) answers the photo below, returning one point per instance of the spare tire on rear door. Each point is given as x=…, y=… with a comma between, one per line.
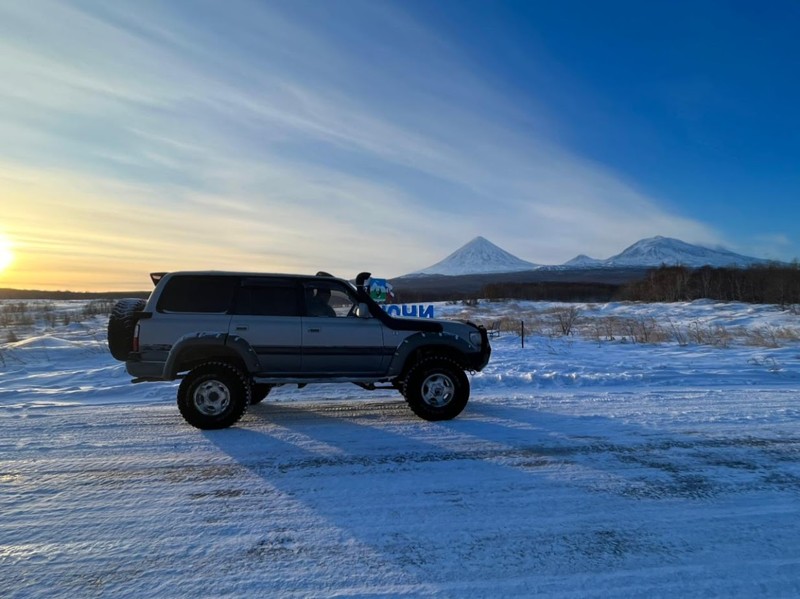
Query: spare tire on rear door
x=121, y=325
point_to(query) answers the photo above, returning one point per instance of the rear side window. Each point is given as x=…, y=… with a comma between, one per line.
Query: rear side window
x=267, y=299
x=198, y=294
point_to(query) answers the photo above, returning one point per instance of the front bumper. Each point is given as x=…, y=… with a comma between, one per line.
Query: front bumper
x=479, y=360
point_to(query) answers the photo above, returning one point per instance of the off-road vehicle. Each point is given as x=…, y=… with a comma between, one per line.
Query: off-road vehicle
x=232, y=337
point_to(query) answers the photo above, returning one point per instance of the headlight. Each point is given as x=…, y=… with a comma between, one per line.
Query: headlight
x=475, y=338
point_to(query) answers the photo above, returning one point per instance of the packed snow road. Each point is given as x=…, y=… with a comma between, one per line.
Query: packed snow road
x=587, y=492
x=595, y=463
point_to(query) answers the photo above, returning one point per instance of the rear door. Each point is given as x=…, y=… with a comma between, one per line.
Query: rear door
x=336, y=341
x=188, y=304
x=267, y=314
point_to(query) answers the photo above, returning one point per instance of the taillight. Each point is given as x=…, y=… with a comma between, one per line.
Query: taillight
x=135, y=338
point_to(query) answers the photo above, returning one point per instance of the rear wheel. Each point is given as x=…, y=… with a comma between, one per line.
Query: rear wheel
x=213, y=395
x=436, y=389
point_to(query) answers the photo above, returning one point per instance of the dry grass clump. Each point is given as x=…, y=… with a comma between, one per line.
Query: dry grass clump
x=771, y=336
x=19, y=319
x=16, y=314
x=98, y=307
x=551, y=322
x=569, y=320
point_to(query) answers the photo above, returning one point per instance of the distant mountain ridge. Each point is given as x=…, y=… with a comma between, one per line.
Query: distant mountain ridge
x=582, y=261
x=657, y=251
x=480, y=256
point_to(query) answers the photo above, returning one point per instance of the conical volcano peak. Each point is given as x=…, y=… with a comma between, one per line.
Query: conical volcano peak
x=478, y=256
x=479, y=239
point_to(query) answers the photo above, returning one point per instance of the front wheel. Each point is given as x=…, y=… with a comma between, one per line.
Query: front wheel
x=436, y=389
x=213, y=395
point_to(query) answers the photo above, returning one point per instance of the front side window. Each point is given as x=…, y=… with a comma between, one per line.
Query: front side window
x=326, y=300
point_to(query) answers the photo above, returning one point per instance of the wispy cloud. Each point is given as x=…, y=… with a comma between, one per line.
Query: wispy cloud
x=154, y=136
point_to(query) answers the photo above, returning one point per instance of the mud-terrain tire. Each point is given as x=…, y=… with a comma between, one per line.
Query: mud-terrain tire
x=121, y=325
x=213, y=395
x=436, y=389
x=259, y=392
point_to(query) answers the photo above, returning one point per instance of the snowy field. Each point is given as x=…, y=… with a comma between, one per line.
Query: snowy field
x=626, y=451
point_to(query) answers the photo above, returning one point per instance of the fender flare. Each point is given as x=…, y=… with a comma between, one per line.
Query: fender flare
x=450, y=343
x=222, y=343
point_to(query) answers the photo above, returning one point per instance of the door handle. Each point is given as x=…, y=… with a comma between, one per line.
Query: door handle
x=313, y=330
x=241, y=327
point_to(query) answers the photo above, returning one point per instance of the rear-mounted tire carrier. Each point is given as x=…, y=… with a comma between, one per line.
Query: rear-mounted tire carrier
x=121, y=326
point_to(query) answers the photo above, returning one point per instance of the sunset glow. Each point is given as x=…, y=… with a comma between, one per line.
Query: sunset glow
x=6, y=253
x=381, y=135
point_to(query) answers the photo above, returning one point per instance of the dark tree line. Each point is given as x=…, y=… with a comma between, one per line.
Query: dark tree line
x=773, y=284
x=554, y=292
x=27, y=294
x=544, y=291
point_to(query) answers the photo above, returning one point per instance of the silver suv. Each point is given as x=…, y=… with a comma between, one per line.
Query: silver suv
x=232, y=337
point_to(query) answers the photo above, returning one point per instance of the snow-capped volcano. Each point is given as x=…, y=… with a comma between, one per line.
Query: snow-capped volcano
x=655, y=251
x=479, y=256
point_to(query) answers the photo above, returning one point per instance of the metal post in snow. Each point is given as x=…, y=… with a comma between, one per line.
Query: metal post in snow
x=522, y=332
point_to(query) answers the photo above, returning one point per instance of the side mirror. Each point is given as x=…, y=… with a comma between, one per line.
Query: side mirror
x=362, y=311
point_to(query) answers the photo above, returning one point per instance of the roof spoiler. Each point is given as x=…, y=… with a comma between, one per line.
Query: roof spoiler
x=156, y=277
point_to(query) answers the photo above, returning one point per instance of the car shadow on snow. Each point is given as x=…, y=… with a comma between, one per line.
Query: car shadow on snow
x=509, y=485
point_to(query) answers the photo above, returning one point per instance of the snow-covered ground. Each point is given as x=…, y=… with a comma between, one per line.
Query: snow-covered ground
x=586, y=465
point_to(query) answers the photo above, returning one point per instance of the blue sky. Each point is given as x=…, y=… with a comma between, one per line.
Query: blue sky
x=348, y=136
